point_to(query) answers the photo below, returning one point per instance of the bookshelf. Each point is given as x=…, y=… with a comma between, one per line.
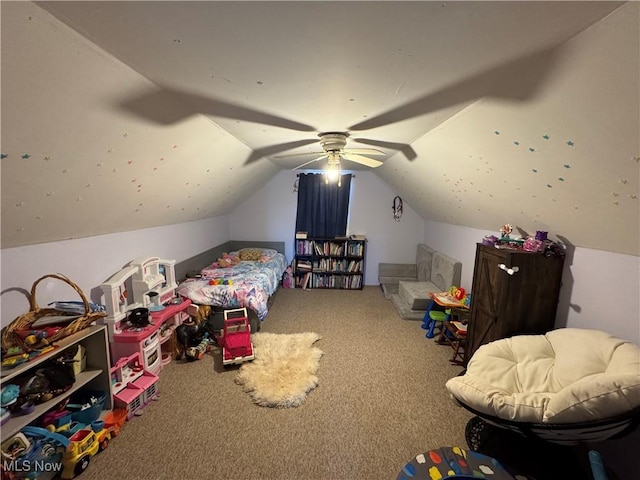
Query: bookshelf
x=336, y=263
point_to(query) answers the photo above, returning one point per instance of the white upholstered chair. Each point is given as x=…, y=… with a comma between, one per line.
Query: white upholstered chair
x=567, y=386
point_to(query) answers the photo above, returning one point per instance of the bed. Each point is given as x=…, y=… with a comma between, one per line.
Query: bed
x=244, y=277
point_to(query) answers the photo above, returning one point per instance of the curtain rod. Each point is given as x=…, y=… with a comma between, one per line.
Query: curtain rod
x=353, y=175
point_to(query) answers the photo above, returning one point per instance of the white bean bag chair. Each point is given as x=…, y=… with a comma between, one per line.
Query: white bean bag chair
x=566, y=376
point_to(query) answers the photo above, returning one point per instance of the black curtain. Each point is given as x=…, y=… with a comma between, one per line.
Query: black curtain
x=322, y=207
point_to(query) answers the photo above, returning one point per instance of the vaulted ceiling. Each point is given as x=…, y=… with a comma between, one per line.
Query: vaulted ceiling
x=485, y=111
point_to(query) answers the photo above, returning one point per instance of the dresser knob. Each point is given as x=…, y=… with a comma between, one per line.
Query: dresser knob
x=509, y=270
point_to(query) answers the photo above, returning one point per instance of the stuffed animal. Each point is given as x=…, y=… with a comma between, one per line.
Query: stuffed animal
x=226, y=261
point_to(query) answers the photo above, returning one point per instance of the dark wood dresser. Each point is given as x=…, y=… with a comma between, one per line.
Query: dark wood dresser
x=514, y=292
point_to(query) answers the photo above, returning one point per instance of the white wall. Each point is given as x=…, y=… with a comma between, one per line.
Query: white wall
x=591, y=277
x=88, y=262
x=371, y=213
x=599, y=289
x=270, y=214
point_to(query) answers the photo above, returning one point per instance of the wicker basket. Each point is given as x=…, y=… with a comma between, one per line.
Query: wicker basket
x=10, y=337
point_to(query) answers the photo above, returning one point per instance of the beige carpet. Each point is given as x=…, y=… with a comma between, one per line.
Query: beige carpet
x=381, y=400
x=284, y=368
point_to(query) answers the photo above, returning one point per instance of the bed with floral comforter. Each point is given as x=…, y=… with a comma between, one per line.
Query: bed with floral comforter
x=234, y=282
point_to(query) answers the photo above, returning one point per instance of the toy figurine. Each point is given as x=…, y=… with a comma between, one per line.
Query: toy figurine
x=196, y=353
x=506, y=230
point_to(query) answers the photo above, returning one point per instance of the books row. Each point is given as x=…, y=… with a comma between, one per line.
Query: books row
x=326, y=249
x=314, y=280
x=330, y=265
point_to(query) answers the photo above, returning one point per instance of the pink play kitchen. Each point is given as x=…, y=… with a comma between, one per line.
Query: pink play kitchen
x=143, y=311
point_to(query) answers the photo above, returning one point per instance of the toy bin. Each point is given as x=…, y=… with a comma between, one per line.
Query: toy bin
x=86, y=406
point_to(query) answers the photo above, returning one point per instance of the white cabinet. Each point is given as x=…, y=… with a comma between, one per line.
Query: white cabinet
x=96, y=375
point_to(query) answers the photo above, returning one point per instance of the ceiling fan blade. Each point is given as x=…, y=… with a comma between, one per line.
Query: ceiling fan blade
x=303, y=154
x=518, y=79
x=405, y=148
x=311, y=161
x=270, y=150
x=168, y=106
x=362, y=160
x=363, y=151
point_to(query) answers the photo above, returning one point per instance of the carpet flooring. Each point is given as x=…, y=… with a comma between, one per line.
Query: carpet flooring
x=380, y=402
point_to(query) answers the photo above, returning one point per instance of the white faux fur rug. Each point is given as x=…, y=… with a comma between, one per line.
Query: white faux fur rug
x=284, y=368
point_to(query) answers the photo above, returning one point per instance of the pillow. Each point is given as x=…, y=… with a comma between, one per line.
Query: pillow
x=256, y=254
x=250, y=254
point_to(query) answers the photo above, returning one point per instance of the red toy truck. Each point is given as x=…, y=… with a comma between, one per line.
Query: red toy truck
x=236, y=338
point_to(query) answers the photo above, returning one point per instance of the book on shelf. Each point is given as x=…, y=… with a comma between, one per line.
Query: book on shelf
x=358, y=237
x=301, y=235
x=303, y=265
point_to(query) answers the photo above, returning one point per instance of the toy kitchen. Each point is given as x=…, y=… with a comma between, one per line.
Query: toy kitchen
x=143, y=310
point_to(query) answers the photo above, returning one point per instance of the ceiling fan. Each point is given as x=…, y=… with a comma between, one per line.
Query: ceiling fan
x=169, y=105
x=333, y=149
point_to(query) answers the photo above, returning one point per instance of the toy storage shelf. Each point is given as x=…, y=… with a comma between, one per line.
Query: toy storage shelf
x=330, y=263
x=96, y=375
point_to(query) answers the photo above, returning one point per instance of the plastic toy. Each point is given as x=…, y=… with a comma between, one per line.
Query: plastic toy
x=114, y=420
x=9, y=395
x=83, y=445
x=191, y=333
x=133, y=386
x=33, y=453
x=196, y=353
x=15, y=360
x=236, y=338
x=8, y=401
